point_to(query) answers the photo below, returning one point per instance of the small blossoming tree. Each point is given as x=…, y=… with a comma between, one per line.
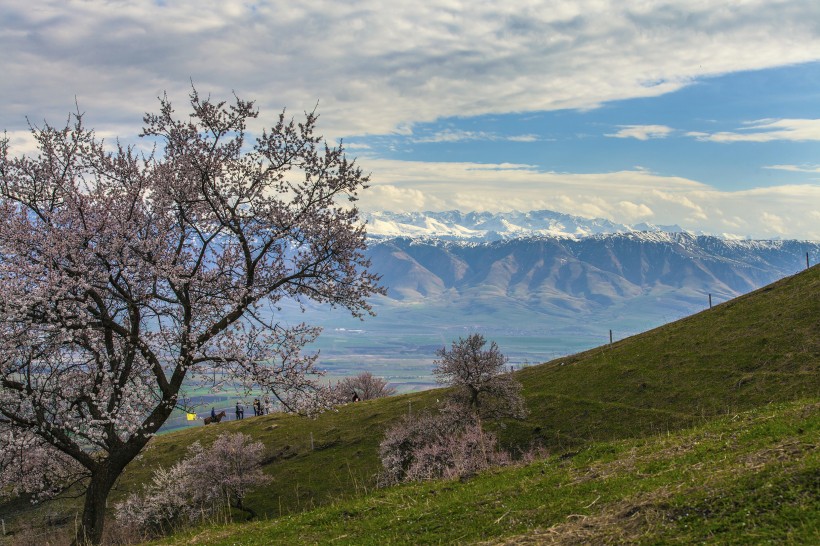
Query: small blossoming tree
x=126, y=275
x=452, y=443
x=481, y=382
x=365, y=386
x=198, y=486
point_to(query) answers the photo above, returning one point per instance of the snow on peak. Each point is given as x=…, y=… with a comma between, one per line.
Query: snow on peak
x=486, y=226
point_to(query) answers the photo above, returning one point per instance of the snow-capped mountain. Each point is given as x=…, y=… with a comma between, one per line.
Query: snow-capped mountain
x=542, y=296
x=545, y=258
x=541, y=284
x=486, y=226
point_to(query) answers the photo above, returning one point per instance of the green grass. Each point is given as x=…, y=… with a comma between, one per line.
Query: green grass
x=755, y=349
x=761, y=348
x=752, y=477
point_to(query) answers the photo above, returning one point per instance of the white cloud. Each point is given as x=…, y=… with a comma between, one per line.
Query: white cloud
x=380, y=70
x=767, y=131
x=451, y=135
x=392, y=197
x=625, y=196
x=682, y=200
x=21, y=142
x=523, y=138
x=377, y=70
x=795, y=168
x=642, y=132
x=774, y=222
x=356, y=146
x=634, y=212
x=457, y=135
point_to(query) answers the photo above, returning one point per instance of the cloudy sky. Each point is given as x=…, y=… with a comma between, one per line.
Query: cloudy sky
x=702, y=113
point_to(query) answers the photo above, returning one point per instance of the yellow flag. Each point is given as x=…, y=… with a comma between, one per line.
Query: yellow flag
x=192, y=416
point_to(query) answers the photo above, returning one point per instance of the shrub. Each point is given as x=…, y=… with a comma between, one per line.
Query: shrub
x=448, y=445
x=201, y=486
x=365, y=386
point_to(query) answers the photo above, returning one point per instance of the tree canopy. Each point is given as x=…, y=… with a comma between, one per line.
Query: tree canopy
x=126, y=275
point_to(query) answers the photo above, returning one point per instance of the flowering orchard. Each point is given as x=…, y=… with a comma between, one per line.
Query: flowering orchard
x=124, y=275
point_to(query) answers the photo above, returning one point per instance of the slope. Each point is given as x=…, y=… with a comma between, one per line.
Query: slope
x=748, y=478
x=760, y=348
x=755, y=349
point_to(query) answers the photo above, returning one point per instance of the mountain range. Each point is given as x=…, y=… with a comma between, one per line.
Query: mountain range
x=540, y=283
x=578, y=273
x=487, y=226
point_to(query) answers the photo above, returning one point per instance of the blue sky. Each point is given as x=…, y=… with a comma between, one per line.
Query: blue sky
x=651, y=133
x=704, y=114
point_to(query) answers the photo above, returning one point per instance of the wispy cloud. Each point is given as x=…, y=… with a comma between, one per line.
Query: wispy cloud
x=795, y=168
x=767, y=130
x=357, y=146
x=455, y=135
x=387, y=71
x=523, y=138
x=642, y=132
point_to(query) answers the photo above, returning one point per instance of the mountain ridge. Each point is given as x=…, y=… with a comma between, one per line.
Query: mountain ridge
x=487, y=226
x=621, y=264
x=492, y=226
x=540, y=296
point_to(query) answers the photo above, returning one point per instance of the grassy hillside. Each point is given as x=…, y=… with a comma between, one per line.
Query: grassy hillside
x=760, y=348
x=749, y=478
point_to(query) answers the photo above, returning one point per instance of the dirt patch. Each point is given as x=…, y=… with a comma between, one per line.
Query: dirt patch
x=621, y=523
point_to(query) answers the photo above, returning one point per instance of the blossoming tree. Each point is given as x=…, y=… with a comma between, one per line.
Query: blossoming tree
x=481, y=383
x=125, y=275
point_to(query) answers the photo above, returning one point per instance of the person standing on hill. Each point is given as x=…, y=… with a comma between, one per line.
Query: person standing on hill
x=213, y=414
x=240, y=411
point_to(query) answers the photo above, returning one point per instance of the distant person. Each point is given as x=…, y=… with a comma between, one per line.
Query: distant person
x=355, y=397
x=240, y=411
x=257, y=407
x=213, y=414
x=266, y=405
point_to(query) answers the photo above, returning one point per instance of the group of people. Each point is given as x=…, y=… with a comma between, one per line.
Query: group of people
x=259, y=408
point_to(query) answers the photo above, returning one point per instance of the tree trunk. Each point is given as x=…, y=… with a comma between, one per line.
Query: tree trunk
x=240, y=505
x=90, y=530
x=473, y=397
